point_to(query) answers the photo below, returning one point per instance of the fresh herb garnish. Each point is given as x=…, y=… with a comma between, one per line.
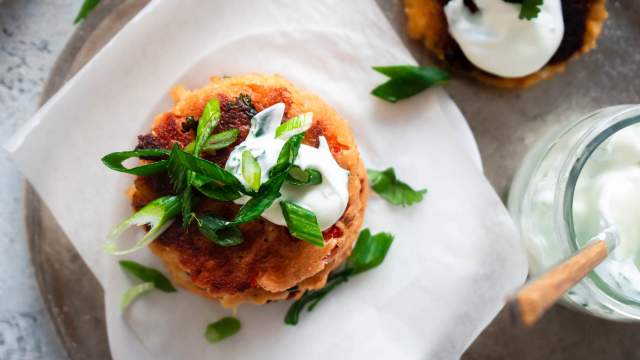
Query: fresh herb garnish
x=298, y=176
x=208, y=120
x=407, y=80
x=294, y=126
x=148, y=274
x=153, y=279
x=393, y=190
x=302, y=223
x=369, y=252
x=180, y=160
x=216, y=141
x=114, y=161
x=251, y=171
x=222, y=329
x=159, y=214
x=530, y=8
x=218, y=231
x=87, y=7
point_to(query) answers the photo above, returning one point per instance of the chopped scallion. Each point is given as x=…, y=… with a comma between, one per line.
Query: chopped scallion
x=159, y=214
x=294, y=126
x=251, y=171
x=302, y=223
x=222, y=329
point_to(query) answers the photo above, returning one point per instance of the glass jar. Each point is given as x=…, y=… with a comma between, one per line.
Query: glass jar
x=541, y=203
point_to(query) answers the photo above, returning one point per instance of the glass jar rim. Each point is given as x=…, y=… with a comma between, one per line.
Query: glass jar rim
x=621, y=117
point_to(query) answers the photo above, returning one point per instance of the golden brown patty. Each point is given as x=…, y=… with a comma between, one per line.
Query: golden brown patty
x=583, y=21
x=270, y=264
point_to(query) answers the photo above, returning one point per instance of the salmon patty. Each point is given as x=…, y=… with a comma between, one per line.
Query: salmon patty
x=583, y=21
x=270, y=264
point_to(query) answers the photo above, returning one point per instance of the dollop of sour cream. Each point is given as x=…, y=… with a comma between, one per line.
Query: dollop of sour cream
x=607, y=203
x=326, y=200
x=495, y=40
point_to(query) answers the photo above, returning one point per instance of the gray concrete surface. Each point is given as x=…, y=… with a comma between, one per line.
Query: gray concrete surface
x=32, y=34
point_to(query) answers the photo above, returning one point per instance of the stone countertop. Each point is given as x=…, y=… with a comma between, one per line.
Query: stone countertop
x=32, y=35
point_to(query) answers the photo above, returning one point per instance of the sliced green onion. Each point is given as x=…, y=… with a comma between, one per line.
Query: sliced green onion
x=302, y=223
x=209, y=119
x=114, y=161
x=135, y=292
x=294, y=126
x=222, y=329
x=159, y=214
x=219, y=231
x=203, y=167
x=298, y=176
x=251, y=171
x=221, y=140
x=216, y=141
x=148, y=274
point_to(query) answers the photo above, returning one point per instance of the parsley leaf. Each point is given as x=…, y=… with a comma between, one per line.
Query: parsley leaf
x=393, y=190
x=407, y=80
x=369, y=252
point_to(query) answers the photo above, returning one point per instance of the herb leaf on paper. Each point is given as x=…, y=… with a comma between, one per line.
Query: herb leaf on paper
x=387, y=185
x=369, y=252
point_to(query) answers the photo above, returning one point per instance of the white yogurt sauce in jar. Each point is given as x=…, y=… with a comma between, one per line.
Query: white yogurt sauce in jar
x=579, y=183
x=327, y=200
x=497, y=41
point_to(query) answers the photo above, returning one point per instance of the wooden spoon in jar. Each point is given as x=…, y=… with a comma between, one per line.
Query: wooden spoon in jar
x=534, y=298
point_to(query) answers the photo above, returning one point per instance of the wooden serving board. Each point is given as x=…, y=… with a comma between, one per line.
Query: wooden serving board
x=505, y=124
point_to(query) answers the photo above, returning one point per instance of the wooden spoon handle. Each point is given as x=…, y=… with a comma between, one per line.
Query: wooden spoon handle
x=535, y=297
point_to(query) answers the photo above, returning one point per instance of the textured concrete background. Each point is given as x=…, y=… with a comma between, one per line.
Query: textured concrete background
x=33, y=33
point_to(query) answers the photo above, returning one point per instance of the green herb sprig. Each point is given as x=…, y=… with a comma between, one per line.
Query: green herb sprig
x=369, y=252
x=407, y=80
x=387, y=185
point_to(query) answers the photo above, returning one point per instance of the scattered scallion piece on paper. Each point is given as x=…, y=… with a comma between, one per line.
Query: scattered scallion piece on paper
x=251, y=171
x=368, y=253
x=148, y=274
x=530, y=8
x=302, y=223
x=159, y=214
x=85, y=9
x=114, y=161
x=294, y=126
x=393, y=190
x=152, y=279
x=300, y=177
x=407, y=80
x=222, y=329
x=134, y=293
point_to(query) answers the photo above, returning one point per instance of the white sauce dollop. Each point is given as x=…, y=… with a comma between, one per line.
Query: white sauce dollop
x=607, y=203
x=495, y=40
x=327, y=200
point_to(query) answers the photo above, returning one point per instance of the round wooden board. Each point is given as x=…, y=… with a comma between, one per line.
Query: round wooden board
x=505, y=124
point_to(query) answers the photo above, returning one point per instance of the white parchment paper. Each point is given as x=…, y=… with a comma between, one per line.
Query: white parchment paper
x=456, y=254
